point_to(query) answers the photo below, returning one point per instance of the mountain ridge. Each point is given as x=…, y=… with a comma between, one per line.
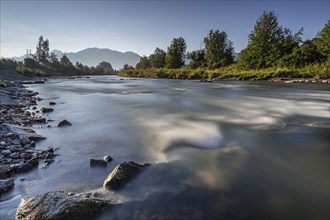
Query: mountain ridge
x=92, y=56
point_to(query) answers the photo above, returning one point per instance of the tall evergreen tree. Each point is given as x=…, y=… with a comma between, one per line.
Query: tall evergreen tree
x=65, y=61
x=42, y=50
x=176, y=53
x=45, y=50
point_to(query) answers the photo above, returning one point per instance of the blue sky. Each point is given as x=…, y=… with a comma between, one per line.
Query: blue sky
x=141, y=26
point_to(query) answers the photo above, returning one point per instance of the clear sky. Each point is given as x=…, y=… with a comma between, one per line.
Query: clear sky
x=141, y=26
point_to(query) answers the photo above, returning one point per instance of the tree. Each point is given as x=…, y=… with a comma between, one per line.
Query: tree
x=127, y=67
x=65, y=61
x=268, y=43
x=143, y=64
x=301, y=56
x=45, y=50
x=218, y=49
x=175, y=53
x=197, y=59
x=322, y=41
x=157, y=59
x=104, y=68
x=53, y=58
x=30, y=63
x=42, y=50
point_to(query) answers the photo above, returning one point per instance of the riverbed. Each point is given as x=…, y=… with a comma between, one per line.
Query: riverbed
x=220, y=150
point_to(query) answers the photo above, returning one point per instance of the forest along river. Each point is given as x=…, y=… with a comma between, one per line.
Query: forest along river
x=231, y=149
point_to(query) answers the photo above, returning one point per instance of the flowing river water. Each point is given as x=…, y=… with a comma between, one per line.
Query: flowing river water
x=221, y=150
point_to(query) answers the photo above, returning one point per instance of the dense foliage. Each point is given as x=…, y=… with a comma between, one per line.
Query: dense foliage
x=218, y=49
x=176, y=53
x=272, y=51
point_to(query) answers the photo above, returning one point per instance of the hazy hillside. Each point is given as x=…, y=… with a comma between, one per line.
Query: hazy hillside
x=93, y=56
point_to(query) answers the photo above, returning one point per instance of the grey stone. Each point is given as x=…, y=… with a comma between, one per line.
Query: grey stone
x=6, y=185
x=24, y=168
x=14, y=155
x=122, y=174
x=26, y=156
x=64, y=123
x=60, y=205
x=97, y=163
x=39, y=120
x=6, y=152
x=33, y=161
x=46, y=110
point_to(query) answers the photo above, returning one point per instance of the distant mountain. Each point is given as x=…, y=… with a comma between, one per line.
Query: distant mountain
x=93, y=56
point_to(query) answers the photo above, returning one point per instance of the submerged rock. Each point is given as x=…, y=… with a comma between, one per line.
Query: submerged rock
x=64, y=123
x=60, y=205
x=52, y=103
x=6, y=184
x=45, y=110
x=97, y=163
x=122, y=173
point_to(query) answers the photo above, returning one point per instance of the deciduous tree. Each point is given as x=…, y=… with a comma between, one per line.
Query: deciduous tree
x=176, y=53
x=218, y=49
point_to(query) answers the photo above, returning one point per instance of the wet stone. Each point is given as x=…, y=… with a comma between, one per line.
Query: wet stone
x=97, y=163
x=25, y=141
x=26, y=156
x=6, y=152
x=46, y=110
x=64, y=123
x=14, y=155
x=6, y=185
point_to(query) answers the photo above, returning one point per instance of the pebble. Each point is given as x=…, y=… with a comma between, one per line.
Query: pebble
x=17, y=153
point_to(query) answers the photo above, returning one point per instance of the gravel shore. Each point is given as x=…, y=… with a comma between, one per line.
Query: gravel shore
x=18, y=152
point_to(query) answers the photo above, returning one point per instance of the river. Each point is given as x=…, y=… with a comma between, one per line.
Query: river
x=221, y=150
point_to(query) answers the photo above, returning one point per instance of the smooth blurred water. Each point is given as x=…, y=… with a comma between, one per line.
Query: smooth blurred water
x=221, y=150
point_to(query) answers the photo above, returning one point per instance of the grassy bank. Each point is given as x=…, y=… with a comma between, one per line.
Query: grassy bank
x=311, y=71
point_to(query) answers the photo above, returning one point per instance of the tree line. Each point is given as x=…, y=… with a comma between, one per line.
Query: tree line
x=44, y=62
x=269, y=46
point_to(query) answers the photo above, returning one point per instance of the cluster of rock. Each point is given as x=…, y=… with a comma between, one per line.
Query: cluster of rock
x=307, y=81
x=17, y=140
x=67, y=205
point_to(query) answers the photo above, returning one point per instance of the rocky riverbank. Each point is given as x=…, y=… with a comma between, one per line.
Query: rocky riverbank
x=85, y=205
x=18, y=152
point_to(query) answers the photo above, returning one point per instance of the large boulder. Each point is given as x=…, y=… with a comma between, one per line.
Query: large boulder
x=60, y=205
x=121, y=174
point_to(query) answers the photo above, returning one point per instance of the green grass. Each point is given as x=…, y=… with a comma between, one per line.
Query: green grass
x=311, y=71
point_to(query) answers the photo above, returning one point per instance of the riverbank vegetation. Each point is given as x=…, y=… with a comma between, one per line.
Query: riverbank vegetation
x=272, y=52
x=44, y=63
